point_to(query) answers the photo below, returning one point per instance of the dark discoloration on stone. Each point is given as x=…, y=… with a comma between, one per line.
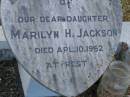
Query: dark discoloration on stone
x=38, y=74
x=13, y=29
x=23, y=11
x=98, y=7
x=12, y=1
x=73, y=80
x=55, y=82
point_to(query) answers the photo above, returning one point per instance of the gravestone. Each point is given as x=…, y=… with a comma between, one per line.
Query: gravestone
x=66, y=45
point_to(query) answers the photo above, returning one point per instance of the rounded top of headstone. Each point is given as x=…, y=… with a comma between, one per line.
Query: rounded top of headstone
x=65, y=44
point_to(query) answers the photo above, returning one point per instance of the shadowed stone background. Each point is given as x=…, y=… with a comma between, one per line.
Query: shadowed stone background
x=10, y=84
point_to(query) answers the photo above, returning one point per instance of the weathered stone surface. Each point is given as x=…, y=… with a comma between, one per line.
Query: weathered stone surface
x=58, y=49
x=2, y=37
